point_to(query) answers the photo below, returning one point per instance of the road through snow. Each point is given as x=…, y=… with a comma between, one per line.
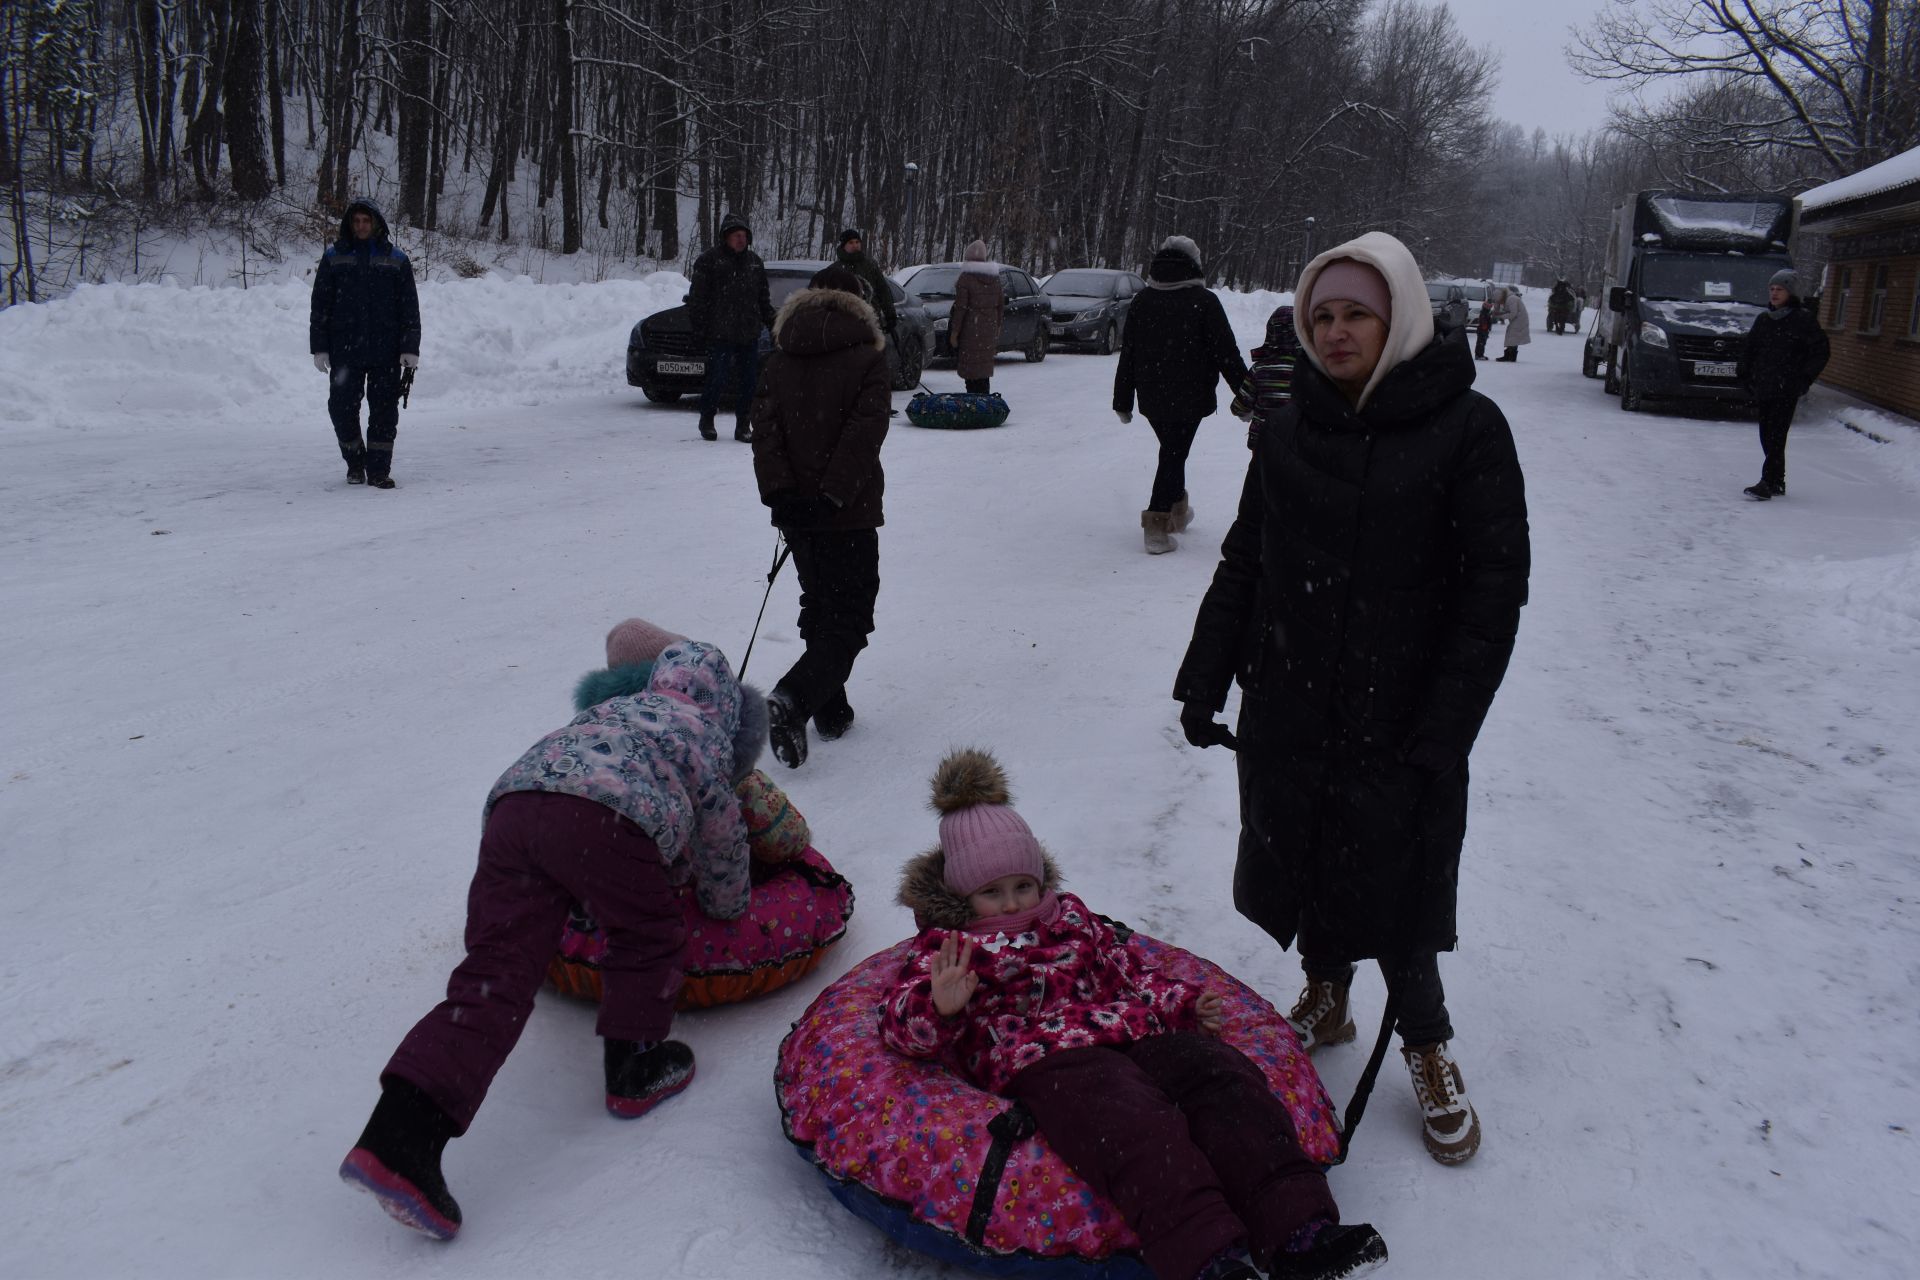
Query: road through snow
x=250, y=716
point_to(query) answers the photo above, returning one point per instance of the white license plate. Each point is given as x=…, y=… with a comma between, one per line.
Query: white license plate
x=682, y=366
x=1057, y=330
x=1715, y=369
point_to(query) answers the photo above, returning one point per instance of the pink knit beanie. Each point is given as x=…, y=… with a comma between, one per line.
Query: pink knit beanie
x=636, y=641
x=981, y=836
x=1353, y=281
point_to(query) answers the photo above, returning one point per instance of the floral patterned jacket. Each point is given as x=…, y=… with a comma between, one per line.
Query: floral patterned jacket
x=1066, y=985
x=662, y=758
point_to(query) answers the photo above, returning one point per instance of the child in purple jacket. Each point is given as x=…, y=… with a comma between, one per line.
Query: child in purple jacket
x=1023, y=991
x=632, y=798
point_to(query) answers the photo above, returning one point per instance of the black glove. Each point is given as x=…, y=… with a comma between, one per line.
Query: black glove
x=1202, y=730
x=1431, y=757
x=791, y=511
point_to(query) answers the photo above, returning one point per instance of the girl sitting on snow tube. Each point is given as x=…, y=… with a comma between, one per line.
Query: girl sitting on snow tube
x=798, y=905
x=1151, y=1076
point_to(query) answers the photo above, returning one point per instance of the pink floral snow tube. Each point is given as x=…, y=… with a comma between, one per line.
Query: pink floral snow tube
x=793, y=915
x=916, y=1135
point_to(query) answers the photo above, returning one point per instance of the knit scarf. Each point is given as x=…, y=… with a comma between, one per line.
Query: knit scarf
x=1046, y=911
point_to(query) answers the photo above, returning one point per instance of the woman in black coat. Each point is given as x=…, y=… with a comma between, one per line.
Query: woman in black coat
x=1366, y=601
x=1176, y=346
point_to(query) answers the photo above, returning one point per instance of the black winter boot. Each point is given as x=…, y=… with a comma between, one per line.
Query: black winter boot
x=1337, y=1253
x=1761, y=492
x=786, y=730
x=743, y=430
x=833, y=720
x=706, y=427
x=356, y=474
x=640, y=1079
x=398, y=1160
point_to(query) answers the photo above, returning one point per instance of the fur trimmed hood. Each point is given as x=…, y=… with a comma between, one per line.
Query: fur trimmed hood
x=816, y=321
x=923, y=890
x=634, y=679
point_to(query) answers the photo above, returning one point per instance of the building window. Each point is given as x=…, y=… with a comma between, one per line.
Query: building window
x=1842, y=298
x=1877, y=301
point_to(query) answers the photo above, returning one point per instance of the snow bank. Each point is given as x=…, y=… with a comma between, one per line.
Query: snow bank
x=237, y=355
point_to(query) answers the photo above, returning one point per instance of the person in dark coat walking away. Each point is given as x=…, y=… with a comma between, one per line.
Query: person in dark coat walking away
x=819, y=420
x=633, y=797
x=973, y=330
x=728, y=306
x=1366, y=600
x=852, y=254
x=1019, y=989
x=1176, y=347
x=1785, y=352
x=1269, y=384
x=363, y=329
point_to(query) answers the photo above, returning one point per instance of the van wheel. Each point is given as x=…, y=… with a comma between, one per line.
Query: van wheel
x=1589, y=367
x=1037, y=349
x=1629, y=394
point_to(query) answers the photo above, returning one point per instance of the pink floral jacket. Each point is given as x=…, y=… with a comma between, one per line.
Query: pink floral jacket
x=1066, y=985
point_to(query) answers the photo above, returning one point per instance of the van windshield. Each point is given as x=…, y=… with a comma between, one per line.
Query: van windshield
x=1707, y=277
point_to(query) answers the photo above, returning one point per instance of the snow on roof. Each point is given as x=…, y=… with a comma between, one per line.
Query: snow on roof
x=1871, y=181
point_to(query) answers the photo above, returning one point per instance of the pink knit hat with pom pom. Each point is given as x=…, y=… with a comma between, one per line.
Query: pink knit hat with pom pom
x=981, y=836
x=636, y=641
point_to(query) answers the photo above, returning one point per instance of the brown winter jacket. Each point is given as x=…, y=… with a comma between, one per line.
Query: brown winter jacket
x=820, y=414
x=974, y=324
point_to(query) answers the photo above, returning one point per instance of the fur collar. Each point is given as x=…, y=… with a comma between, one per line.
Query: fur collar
x=980, y=268
x=818, y=309
x=923, y=890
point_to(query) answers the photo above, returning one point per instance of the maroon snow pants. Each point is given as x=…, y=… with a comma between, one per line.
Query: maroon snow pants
x=1182, y=1133
x=539, y=854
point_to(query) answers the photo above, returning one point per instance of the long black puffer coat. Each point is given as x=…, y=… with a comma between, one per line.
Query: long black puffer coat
x=365, y=311
x=1786, y=351
x=1366, y=599
x=1177, y=345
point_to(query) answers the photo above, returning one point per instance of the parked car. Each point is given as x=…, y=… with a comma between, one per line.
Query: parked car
x=1089, y=307
x=667, y=360
x=1023, y=327
x=1450, y=311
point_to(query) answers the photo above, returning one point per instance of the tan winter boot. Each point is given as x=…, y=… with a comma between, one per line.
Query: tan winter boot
x=1182, y=513
x=1159, y=531
x=1320, y=1015
x=1452, y=1127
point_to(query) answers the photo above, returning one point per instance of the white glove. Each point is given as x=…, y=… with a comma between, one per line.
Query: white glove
x=321, y=362
x=410, y=360
x=1125, y=415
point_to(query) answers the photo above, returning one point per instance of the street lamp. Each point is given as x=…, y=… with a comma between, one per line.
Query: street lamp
x=1306, y=255
x=913, y=190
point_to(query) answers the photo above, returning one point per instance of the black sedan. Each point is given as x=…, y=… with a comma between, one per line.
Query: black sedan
x=667, y=360
x=1023, y=325
x=1089, y=307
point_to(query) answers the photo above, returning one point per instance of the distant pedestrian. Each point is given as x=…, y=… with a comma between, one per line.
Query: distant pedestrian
x=363, y=329
x=729, y=306
x=979, y=301
x=1785, y=352
x=819, y=420
x=852, y=254
x=1519, y=327
x=1482, y=326
x=1177, y=345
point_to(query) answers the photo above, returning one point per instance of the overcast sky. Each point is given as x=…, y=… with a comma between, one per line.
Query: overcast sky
x=1536, y=87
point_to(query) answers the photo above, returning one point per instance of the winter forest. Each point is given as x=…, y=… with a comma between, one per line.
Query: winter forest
x=1069, y=132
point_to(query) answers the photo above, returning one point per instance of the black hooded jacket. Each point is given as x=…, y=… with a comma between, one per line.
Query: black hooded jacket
x=729, y=301
x=365, y=312
x=1785, y=353
x=1366, y=599
x=1177, y=345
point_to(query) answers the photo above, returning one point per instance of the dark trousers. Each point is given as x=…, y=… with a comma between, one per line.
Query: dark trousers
x=539, y=854
x=1170, y=477
x=379, y=385
x=839, y=581
x=979, y=386
x=1182, y=1133
x=1422, y=1017
x=1776, y=417
x=735, y=367
x=1480, y=343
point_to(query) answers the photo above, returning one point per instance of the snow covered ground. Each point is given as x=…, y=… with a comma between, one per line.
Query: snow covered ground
x=249, y=716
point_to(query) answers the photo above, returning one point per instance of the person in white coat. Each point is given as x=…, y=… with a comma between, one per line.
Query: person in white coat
x=1519, y=327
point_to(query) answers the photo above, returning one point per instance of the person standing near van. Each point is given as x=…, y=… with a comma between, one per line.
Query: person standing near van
x=728, y=306
x=1785, y=352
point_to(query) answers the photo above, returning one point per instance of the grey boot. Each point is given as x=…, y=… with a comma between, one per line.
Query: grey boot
x=1182, y=513
x=1159, y=531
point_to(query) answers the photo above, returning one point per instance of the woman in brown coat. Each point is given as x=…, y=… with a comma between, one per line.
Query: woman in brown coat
x=819, y=419
x=974, y=327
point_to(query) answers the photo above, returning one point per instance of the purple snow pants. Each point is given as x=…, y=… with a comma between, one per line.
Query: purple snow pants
x=1182, y=1133
x=539, y=854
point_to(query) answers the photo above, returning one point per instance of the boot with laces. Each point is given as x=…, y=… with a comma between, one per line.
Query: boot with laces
x=1320, y=1015
x=1451, y=1127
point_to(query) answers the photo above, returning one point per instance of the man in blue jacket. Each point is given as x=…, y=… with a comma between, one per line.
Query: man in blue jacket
x=365, y=328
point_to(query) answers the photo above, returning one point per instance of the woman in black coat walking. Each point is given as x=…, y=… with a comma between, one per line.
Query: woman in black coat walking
x=1366, y=601
x=1176, y=346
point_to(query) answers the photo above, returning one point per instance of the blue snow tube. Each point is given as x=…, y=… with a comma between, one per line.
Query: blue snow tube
x=957, y=410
